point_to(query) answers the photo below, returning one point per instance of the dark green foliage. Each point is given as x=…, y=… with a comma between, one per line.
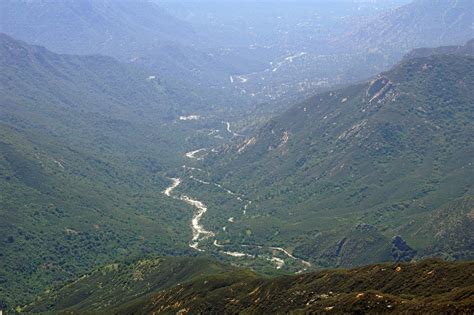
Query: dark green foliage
x=389, y=153
x=83, y=143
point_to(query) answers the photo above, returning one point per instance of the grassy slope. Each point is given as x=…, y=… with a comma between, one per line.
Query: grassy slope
x=392, y=162
x=118, y=284
x=83, y=143
x=426, y=286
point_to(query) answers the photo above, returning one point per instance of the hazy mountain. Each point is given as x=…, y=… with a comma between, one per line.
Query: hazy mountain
x=124, y=29
x=338, y=177
x=212, y=288
x=233, y=53
x=139, y=32
x=422, y=23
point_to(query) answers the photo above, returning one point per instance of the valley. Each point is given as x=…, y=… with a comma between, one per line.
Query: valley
x=178, y=157
x=199, y=232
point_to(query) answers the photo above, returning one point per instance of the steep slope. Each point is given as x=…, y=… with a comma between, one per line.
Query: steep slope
x=116, y=285
x=388, y=153
x=433, y=287
x=82, y=143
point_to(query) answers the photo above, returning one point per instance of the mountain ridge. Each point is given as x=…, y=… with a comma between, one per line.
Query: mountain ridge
x=355, y=155
x=84, y=141
x=373, y=289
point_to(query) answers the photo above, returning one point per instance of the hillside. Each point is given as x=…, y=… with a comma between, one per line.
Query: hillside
x=354, y=176
x=84, y=142
x=123, y=29
x=138, y=32
x=118, y=284
x=467, y=49
x=428, y=287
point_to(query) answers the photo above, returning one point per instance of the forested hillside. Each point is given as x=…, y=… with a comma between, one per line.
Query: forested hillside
x=83, y=143
x=362, y=170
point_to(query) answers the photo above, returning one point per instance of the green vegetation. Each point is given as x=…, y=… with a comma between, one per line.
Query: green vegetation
x=189, y=286
x=117, y=284
x=394, y=154
x=84, y=143
x=380, y=171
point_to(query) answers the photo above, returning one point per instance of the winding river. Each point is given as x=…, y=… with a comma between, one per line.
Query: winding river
x=199, y=233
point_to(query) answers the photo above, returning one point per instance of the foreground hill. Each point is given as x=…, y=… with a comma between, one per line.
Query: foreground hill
x=378, y=171
x=115, y=285
x=187, y=286
x=83, y=140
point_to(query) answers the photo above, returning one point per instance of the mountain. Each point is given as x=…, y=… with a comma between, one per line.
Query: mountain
x=240, y=54
x=467, y=49
x=123, y=29
x=360, y=174
x=84, y=143
x=341, y=42
x=138, y=32
x=421, y=23
x=376, y=289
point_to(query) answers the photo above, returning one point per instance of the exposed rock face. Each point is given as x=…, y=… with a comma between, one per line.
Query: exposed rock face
x=246, y=144
x=339, y=246
x=378, y=88
x=400, y=250
x=363, y=243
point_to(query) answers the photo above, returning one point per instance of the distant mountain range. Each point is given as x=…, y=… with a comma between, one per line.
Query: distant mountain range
x=355, y=47
x=122, y=29
x=422, y=23
x=137, y=32
x=279, y=51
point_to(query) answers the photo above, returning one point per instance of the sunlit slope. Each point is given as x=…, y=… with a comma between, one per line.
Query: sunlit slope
x=142, y=288
x=115, y=285
x=375, y=160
